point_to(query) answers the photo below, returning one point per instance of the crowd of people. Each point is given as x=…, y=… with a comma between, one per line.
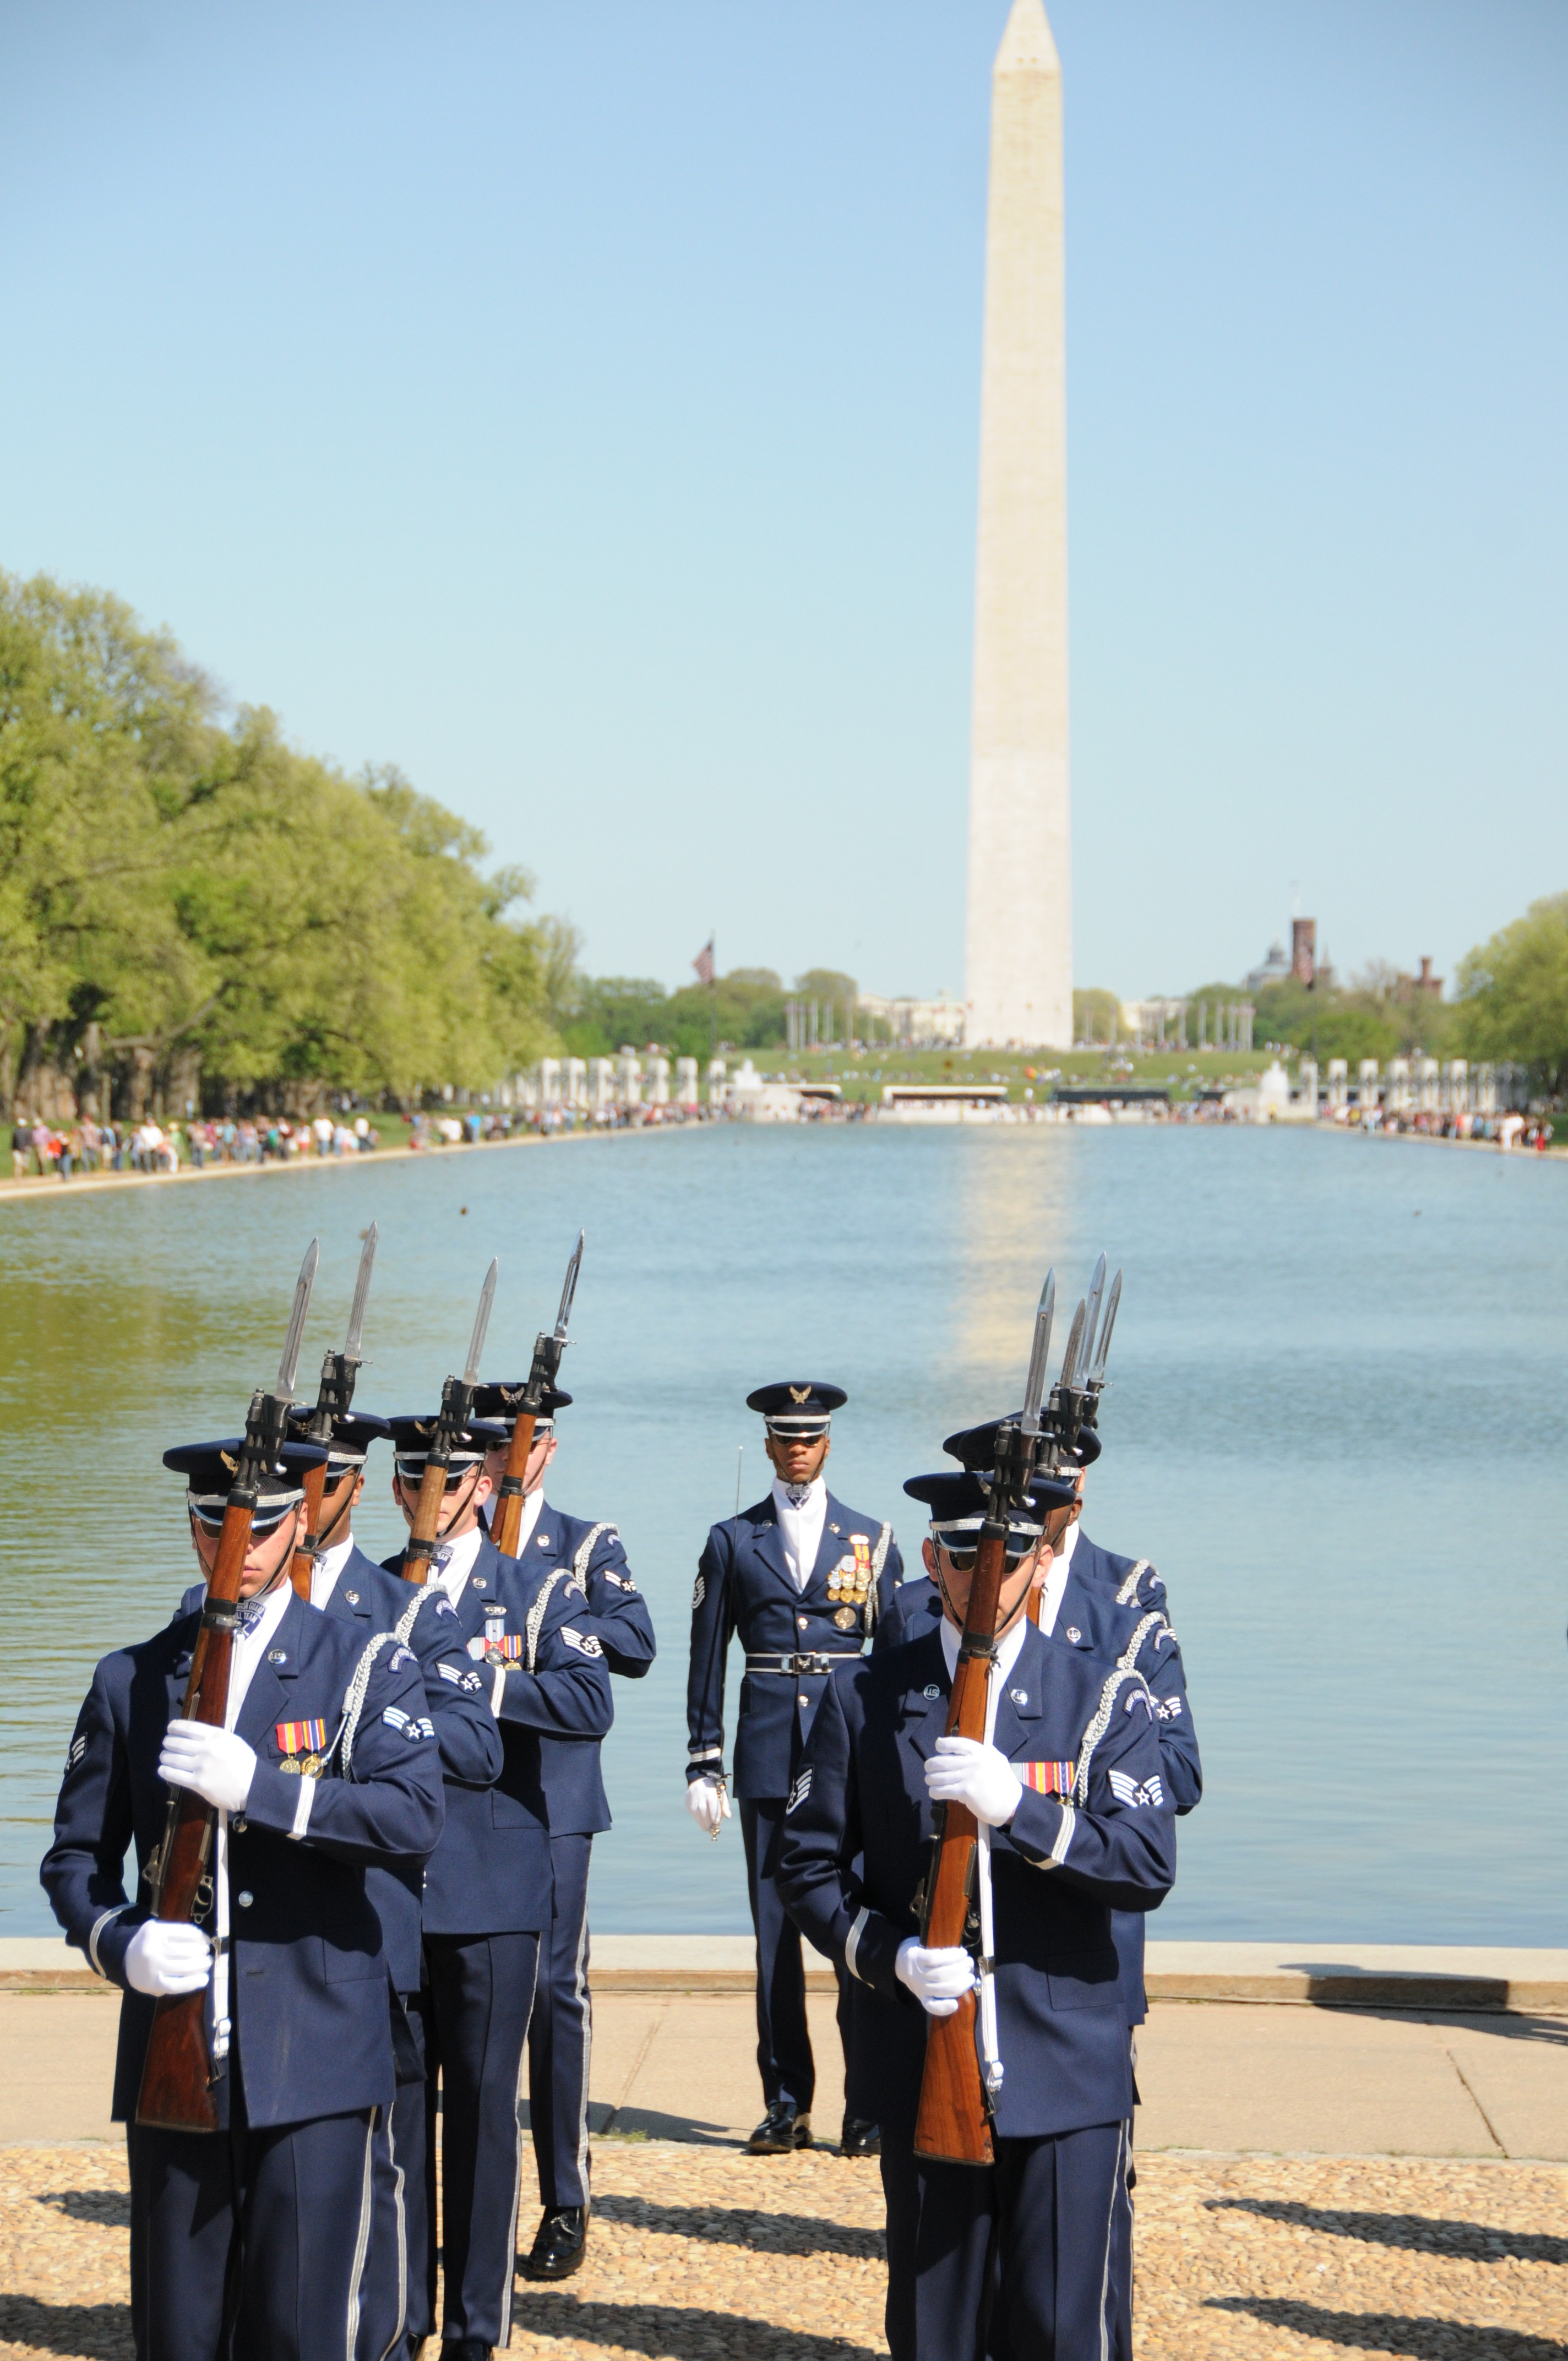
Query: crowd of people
x=38, y=1148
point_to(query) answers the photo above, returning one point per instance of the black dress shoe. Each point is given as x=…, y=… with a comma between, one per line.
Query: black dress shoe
x=562, y=2243
x=465, y=2349
x=781, y=2131
x=860, y=2137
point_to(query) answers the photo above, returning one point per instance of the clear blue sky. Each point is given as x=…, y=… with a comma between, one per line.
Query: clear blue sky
x=578, y=406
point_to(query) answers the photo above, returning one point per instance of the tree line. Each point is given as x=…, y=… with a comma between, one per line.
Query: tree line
x=194, y=913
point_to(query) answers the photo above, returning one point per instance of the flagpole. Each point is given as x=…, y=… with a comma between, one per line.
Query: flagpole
x=712, y=999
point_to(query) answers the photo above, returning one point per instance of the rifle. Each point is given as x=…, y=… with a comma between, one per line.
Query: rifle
x=456, y=1402
x=956, y=2104
x=546, y=1367
x=336, y=1393
x=177, y=2078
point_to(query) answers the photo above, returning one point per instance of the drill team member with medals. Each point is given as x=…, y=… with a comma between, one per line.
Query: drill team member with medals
x=802, y=1579
x=1003, y=2152
x=347, y=1584
x=577, y=1551
x=488, y=1894
x=325, y=1763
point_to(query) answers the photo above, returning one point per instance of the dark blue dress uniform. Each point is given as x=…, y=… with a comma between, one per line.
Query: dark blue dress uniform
x=469, y=1741
x=560, y=2034
x=793, y=1640
x=1010, y=2260
x=489, y=1900
x=273, y=2213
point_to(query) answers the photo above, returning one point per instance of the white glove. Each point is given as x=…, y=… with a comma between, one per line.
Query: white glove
x=939, y=1979
x=216, y=1763
x=708, y=1803
x=168, y=1955
x=964, y=1772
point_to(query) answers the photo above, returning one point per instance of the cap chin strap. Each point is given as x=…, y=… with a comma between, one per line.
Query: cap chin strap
x=953, y=1615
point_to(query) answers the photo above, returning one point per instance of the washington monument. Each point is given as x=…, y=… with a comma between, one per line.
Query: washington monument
x=1018, y=957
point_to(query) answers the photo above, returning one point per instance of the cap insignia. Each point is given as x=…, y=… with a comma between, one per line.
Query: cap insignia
x=800, y=1393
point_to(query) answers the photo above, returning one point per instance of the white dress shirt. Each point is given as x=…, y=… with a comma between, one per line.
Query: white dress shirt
x=800, y=1527
x=326, y=1569
x=1008, y=1649
x=454, y=1562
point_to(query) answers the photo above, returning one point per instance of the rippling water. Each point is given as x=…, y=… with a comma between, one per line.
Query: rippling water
x=1337, y=1427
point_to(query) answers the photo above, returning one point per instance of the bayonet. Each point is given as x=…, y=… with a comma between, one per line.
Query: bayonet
x=361, y=1296
x=1097, y=1376
x=481, y=1323
x=1035, y=1384
x=1096, y=1294
x=570, y=1289
x=289, y=1364
x=1067, y=1382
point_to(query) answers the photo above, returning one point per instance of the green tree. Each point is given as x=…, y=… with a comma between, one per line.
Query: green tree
x=1097, y=1016
x=1513, y=995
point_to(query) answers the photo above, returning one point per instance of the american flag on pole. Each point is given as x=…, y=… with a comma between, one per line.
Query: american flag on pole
x=704, y=962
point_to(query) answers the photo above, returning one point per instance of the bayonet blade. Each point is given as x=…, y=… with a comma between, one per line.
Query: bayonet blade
x=302, y=1286
x=481, y=1321
x=1096, y=1294
x=1035, y=1384
x=1069, y=1380
x=361, y=1294
x=570, y=1290
x=1097, y=1376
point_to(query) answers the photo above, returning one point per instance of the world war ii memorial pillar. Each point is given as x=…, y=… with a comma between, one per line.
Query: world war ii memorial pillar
x=1018, y=957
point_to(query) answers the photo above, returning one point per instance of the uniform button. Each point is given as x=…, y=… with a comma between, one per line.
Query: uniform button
x=244, y=1900
x=801, y=1620
x=805, y=1699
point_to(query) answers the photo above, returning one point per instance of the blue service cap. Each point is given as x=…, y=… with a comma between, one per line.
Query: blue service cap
x=413, y=1436
x=209, y=1469
x=975, y=1447
x=799, y=1408
x=503, y=1403
x=352, y=1433
x=958, y=1504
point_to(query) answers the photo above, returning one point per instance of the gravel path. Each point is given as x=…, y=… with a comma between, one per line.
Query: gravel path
x=704, y=2254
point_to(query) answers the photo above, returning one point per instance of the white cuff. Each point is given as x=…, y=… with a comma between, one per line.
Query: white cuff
x=1064, y=1835
x=302, y=1809
x=92, y=1958
x=498, y=1690
x=852, y=1946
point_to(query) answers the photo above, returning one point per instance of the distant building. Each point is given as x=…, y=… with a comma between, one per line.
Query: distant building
x=916, y=1024
x=1304, y=949
x=1275, y=969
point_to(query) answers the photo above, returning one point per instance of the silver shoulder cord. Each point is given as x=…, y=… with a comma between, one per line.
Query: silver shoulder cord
x=1128, y=1593
x=358, y=1687
x=879, y=1560
x=586, y=1549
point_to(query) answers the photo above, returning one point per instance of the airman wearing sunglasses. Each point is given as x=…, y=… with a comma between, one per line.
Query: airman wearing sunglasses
x=351, y=1588
x=273, y=2213
x=1017, y=2258
x=589, y=1552
x=488, y=1893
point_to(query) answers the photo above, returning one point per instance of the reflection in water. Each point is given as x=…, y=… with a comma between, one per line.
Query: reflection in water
x=1337, y=1427
x=1016, y=1194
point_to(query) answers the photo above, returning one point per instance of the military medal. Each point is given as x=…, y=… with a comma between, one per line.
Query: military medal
x=846, y=1618
x=301, y=1742
x=1048, y=1778
x=501, y=1647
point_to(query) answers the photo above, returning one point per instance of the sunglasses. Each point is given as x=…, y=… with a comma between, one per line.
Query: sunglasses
x=965, y=1561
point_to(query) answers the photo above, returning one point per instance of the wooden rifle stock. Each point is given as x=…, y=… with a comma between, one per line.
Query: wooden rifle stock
x=177, y=2079
x=456, y=1397
x=508, y=1521
x=954, y=2123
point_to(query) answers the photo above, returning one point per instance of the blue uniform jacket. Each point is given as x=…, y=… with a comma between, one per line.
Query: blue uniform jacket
x=743, y=1585
x=309, y=1990
x=856, y=1845
x=491, y=1874
x=574, y=1548
x=457, y=1703
x=1093, y=1618
x=1133, y=1580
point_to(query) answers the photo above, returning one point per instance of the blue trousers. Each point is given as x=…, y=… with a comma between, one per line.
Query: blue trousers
x=783, y=2039
x=1013, y=2261
x=260, y=2235
x=560, y=2034
x=397, y=2297
x=480, y=1994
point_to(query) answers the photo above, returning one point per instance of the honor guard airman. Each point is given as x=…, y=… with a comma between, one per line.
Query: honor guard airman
x=1013, y=2258
x=489, y=1888
x=325, y=1762
x=581, y=1551
x=347, y=1584
x=802, y=1579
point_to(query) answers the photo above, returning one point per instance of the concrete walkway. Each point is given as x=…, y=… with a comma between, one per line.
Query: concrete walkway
x=1226, y=2076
